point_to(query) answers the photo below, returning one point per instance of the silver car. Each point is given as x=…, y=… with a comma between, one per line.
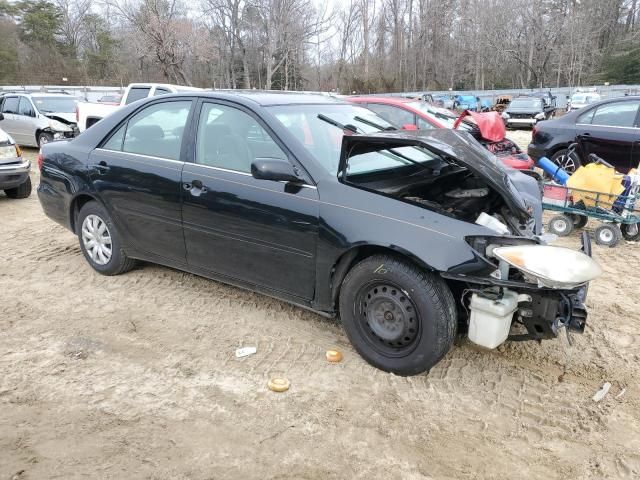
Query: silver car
x=14, y=170
x=38, y=118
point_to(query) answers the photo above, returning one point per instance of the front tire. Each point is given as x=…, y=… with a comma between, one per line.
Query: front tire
x=100, y=241
x=608, y=235
x=21, y=191
x=398, y=317
x=44, y=138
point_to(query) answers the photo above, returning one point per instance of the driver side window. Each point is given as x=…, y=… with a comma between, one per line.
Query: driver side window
x=232, y=139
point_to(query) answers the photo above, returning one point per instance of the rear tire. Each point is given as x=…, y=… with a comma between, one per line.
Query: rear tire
x=100, y=242
x=400, y=318
x=608, y=235
x=630, y=231
x=561, y=225
x=21, y=191
x=568, y=163
x=579, y=221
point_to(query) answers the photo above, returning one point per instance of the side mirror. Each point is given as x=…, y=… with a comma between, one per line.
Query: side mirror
x=275, y=169
x=1, y=117
x=409, y=126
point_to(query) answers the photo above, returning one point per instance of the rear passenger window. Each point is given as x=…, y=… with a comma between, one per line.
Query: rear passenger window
x=156, y=131
x=232, y=139
x=619, y=114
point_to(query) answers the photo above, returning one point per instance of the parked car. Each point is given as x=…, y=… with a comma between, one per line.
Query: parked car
x=304, y=198
x=33, y=119
x=466, y=102
x=88, y=113
x=526, y=111
x=405, y=113
x=14, y=170
x=609, y=128
x=580, y=100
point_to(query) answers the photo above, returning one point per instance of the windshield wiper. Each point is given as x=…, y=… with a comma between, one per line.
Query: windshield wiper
x=336, y=123
x=373, y=124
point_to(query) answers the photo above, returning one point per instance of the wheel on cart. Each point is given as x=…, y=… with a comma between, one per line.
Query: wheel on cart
x=630, y=231
x=561, y=225
x=579, y=221
x=608, y=234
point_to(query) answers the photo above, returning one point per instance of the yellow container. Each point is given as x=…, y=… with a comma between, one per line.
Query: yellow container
x=596, y=178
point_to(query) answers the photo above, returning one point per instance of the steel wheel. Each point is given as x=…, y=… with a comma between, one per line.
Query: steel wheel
x=389, y=320
x=561, y=225
x=96, y=239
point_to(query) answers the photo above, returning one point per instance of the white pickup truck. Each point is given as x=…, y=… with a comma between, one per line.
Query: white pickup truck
x=88, y=113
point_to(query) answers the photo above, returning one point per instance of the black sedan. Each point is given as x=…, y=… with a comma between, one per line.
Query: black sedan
x=406, y=235
x=610, y=129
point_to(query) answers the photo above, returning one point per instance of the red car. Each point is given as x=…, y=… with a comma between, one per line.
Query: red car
x=487, y=128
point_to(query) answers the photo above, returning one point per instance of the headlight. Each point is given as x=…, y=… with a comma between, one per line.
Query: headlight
x=553, y=267
x=9, y=151
x=540, y=116
x=505, y=115
x=59, y=126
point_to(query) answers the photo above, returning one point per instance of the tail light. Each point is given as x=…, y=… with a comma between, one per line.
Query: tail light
x=534, y=130
x=77, y=115
x=40, y=160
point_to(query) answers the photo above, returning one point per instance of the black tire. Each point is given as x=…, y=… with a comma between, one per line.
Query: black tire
x=569, y=163
x=561, y=225
x=579, y=221
x=399, y=317
x=21, y=191
x=44, y=138
x=608, y=235
x=118, y=262
x=630, y=231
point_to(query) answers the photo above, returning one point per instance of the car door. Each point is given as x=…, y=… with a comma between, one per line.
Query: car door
x=610, y=131
x=137, y=173
x=10, y=112
x=260, y=232
x=25, y=123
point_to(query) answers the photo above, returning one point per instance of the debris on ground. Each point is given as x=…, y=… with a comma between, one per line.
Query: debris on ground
x=278, y=384
x=600, y=394
x=622, y=392
x=334, y=356
x=245, y=351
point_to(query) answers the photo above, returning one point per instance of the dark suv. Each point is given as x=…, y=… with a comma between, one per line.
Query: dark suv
x=609, y=128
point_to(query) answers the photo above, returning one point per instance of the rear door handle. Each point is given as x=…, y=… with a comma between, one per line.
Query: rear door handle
x=102, y=166
x=586, y=134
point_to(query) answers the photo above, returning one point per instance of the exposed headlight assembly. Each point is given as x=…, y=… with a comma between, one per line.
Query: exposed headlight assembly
x=552, y=267
x=540, y=116
x=57, y=126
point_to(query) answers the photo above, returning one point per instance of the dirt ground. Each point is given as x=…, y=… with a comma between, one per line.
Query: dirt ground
x=135, y=377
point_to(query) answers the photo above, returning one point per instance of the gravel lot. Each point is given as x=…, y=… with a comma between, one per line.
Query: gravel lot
x=135, y=377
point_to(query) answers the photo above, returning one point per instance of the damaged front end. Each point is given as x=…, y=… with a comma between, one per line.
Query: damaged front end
x=61, y=126
x=517, y=287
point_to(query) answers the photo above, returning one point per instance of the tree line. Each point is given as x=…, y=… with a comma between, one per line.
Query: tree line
x=354, y=46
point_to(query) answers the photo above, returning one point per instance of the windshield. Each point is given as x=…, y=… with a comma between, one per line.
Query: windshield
x=526, y=103
x=441, y=115
x=55, y=104
x=582, y=98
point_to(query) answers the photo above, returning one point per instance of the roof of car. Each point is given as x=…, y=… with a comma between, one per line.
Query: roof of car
x=385, y=100
x=284, y=98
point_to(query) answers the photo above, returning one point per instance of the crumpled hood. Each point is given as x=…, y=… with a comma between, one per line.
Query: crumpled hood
x=465, y=150
x=62, y=117
x=490, y=124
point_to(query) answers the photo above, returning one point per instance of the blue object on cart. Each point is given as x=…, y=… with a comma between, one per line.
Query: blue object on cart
x=556, y=172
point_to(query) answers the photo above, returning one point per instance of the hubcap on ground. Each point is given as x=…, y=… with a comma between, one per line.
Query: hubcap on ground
x=389, y=318
x=96, y=239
